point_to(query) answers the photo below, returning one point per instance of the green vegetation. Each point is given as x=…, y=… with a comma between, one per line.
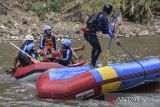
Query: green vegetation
x=44, y=6
x=133, y=10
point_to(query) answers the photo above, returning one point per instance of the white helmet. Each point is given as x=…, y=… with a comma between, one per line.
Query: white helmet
x=29, y=37
x=66, y=42
x=46, y=27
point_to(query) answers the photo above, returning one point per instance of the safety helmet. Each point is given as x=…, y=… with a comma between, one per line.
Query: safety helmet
x=46, y=27
x=30, y=46
x=107, y=8
x=66, y=42
x=29, y=37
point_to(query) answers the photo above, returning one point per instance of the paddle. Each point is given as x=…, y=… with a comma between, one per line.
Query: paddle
x=33, y=59
x=106, y=55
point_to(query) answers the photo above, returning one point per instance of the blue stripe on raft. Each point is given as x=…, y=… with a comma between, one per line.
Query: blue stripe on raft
x=152, y=64
x=96, y=75
x=64, y=73
x=134, y=67
x=126, y=69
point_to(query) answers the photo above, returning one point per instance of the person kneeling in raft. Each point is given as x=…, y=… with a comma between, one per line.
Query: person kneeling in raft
x=66, y=53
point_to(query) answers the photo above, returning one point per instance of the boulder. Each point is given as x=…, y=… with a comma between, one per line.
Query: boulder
x=143, y=33
x=157, y=32
x=14, y=32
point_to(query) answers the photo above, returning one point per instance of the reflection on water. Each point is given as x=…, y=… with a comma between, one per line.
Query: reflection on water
x=14, y=93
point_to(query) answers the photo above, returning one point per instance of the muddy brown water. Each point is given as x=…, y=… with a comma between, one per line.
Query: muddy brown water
x=23, y=94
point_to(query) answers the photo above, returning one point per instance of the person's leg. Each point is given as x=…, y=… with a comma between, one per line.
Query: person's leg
x=24, y=59
x=95, y=51
x=93, y=40
x=16, y=62
x=74, y=55
x=79, y=48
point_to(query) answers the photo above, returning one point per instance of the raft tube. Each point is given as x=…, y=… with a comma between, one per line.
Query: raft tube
x=31, y=72
x=84, y=82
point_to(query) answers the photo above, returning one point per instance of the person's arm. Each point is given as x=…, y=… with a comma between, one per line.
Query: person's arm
x=42, y=42
x=107, y=26
x=66, y=59
x=54, y=42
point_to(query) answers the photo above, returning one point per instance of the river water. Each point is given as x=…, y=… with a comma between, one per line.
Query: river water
x=22, y=94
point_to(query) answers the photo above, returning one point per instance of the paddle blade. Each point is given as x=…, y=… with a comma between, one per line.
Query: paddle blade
x=34, y=60
x=105, y=58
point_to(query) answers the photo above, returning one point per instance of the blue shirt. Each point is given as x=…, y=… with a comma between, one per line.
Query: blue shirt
x=30, y=52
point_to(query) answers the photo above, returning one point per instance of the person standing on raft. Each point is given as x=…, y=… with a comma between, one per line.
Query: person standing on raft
x=98, y=22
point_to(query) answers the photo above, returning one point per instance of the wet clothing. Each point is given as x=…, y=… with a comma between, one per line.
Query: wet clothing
x=96, y=23
x=67, y=55
x=44, y=39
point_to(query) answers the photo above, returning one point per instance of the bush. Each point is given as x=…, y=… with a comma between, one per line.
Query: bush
x=133, y=10
x=140, y=10
x=40, y=9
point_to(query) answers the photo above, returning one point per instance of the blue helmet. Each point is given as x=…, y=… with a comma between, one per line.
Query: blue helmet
x=66, y=42
x=46, y=27
x=30, y=46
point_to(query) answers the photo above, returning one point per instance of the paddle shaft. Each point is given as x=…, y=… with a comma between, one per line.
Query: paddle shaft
x=114, y=26
x=106, y=56
x=34, y=60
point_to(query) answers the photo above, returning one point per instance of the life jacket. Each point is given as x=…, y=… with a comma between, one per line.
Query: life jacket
x=49, y=44
x=67, y=55
x=92, y=21
x=97, y=22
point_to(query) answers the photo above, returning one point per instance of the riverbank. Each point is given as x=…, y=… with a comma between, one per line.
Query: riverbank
x=16, y=21
x=72, y=30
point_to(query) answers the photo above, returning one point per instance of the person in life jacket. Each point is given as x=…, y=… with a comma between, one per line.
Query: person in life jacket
x=32, y=50
x=48, y=40
x=66, y=53
x=22, y=59
x=98, y=22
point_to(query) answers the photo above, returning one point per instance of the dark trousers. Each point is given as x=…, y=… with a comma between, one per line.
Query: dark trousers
x=24, y=59
x=91, y=37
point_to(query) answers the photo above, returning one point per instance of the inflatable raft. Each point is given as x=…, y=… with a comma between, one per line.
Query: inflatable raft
x=84, y=82
x=31, y=72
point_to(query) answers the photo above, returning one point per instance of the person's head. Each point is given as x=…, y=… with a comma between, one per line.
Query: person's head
x=47, y=30
x=107, y=8
x=66, y=43
x=29, y=38
x=31, y=47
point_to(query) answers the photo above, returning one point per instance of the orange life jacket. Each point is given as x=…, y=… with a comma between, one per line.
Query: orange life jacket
x=49, y=44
